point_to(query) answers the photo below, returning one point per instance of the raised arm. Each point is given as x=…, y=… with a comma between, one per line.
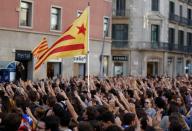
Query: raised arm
x=70, y=106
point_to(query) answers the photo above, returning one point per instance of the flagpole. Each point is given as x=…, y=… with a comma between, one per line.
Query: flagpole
x=88, y=71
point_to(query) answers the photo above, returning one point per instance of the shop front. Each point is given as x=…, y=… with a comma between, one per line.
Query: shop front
x=79, y=66
x=54, y=68
x=24, y=69
x=120, y=65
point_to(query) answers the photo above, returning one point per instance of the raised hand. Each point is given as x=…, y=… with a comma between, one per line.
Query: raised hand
x=9, y=91
x=132, y=107
x=89, y=95
x=57, y=82
x=98, y=99
x=76, y=93
x=28, y=111
x=63, y=94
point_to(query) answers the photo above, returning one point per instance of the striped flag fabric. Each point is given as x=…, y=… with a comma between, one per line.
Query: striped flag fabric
x=41, y=48
x=73, y=41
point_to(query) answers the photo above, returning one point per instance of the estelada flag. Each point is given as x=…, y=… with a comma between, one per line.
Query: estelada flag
x=73, y=42
x=41, y=48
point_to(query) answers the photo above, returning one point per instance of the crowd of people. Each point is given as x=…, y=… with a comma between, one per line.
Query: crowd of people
x=112, y=104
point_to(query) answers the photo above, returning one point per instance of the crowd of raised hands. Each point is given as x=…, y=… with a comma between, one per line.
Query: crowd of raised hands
x=121, y=103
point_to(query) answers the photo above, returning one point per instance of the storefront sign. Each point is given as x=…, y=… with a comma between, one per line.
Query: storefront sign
x=153, y=60
x=80, y=59
x=55, y=60
x=120, y=58
x=22, y=55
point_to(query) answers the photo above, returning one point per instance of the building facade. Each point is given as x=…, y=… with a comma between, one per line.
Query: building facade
x=24, y=23
x=151, y=37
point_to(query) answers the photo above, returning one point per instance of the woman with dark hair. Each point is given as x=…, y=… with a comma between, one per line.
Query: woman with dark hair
x=52, y=123
x=12, y=122
x=182, y=108
x=173, y=114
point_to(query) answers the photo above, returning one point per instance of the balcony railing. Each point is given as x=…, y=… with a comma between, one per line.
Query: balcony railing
x=185, y=1
x=124, y=44
x=181, y=48
x=189, y=22
x=180, y=20
x=174, y=18
x=120, y=44
x=152, y=45
x=120, y=13
x=159, y=45
x=183, y=21
x=172, y=47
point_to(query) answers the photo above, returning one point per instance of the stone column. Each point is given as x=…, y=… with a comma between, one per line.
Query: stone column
x=165, y=63
x=135, y=63
x=175, y=66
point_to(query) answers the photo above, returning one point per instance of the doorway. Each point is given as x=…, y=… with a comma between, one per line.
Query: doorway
x=21, y=70
x=82, y=69
x=53, y=69
x=152, y=68
x=118, y=68
x=79, y=69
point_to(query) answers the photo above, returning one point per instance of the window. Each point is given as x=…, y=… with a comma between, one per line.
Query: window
x=106, y=25
x=120, y=35
x=189, y=14
x=171, y=38
x=55, y=18
x=120, y=32
x=181, y=10
x=171, y=35
x=155, y=5
x=79, y=13
x=171, y=7
x=155, y=35
x=120, y=7
x=189, y=39
x=26, y=14
x=180, y=39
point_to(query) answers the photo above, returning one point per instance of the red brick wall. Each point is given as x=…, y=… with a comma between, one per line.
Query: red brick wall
x=9, y=14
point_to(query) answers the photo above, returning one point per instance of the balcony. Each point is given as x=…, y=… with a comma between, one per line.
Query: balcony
x=174, y=18
x=159, y=45
x=163, y=46
x=120, y=13
x=184, y=1
x=120, y=44
x=153, y=45
x=183, y=21
x=189, y=22
x=172, y=47
x=179, y=20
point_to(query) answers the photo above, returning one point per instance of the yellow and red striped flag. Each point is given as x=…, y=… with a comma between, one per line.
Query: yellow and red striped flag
x=73, y=42
x=41, y=48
